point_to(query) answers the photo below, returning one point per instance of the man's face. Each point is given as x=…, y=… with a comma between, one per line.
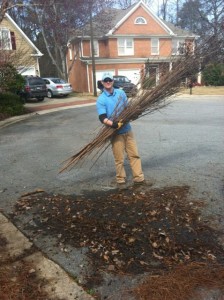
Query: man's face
x=107, y=83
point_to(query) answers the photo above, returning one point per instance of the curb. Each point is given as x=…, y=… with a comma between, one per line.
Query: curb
x=48, y=110
x=16, y=119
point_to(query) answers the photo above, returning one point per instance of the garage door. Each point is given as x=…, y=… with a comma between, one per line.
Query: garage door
x=27, y=71
x=132, y=74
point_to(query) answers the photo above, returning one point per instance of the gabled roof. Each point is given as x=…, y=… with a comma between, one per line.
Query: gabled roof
x=130, y=11
x=38, y=53
x=112, y=18
x=179, y=31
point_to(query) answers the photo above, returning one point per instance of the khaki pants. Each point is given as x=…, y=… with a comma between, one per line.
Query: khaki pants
x=126, y=143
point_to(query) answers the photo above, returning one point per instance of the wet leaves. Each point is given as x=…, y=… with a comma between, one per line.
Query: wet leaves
x=128, y=231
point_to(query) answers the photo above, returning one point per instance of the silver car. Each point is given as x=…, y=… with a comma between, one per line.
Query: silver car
x=57, y=87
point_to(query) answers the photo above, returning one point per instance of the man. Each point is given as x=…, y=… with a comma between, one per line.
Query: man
x=109, y=105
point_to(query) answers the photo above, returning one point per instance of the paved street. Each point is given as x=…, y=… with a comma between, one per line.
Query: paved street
x=180, y=145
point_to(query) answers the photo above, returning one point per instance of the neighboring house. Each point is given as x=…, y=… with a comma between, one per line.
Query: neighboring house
x=134, y=40
x=17, y=48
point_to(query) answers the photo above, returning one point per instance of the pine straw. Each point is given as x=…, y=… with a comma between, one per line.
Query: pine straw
x=147, y=101
x=184, y=282
x=18, y=282
x=19, y=279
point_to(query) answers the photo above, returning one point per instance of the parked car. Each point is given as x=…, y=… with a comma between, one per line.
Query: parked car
x=57, y=87
x=121, y=82
x=35, y=87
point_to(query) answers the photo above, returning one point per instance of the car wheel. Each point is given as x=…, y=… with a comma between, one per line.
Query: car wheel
x=40, y=99
x=49, y=94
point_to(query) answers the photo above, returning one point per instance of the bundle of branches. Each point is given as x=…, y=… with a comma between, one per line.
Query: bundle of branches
x=148, y=100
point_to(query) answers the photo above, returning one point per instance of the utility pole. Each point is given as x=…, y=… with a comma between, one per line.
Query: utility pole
x=92, y=52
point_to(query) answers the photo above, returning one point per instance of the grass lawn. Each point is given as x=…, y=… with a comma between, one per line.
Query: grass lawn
x=205, y=90
x=198, y=90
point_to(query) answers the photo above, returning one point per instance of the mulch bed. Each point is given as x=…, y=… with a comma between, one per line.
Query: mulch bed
x=4, y=116
x=19, y=280
x=136, y=231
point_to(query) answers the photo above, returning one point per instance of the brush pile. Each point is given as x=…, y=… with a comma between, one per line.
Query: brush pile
x=150, y=98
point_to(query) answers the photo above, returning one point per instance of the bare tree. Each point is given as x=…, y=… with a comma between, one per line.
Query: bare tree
x=123, y=4
x=202, y=16
x=163, y=9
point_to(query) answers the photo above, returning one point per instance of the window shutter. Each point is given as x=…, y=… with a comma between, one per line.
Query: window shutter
x=13, y=40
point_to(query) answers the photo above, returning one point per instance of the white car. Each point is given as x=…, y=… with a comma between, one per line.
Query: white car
x=57, y=87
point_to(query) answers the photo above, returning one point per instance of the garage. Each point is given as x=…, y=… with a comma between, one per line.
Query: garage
x=27, y=71
x=132, y=74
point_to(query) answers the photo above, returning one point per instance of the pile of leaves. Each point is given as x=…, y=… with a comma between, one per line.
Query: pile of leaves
x=133, y=231
x=155, y=233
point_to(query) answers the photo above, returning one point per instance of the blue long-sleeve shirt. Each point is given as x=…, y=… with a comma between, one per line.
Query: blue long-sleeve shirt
x=112, y=105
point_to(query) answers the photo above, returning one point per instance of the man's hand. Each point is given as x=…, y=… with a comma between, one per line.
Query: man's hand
x=117, y=125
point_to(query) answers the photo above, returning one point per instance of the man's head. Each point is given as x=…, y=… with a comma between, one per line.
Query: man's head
x=107, y=81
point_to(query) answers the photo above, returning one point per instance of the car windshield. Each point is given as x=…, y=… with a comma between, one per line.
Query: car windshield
x=58, y=80
x=36, y=81
x=122, y=79
x=126, y=79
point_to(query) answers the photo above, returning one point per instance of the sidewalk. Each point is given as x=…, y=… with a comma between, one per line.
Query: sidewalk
x=57, y=103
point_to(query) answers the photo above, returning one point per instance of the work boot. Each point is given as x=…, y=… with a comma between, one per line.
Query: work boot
x=122, y=186
x=143, y=183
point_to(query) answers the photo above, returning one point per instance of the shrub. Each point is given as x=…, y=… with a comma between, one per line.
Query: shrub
x=10, y=80
x=213, y=74
x=10, y=105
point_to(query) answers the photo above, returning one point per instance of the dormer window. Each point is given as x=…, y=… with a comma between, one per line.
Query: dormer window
x=140, y=21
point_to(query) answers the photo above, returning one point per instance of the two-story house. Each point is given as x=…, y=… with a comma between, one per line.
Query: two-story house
x=125, y=44
x=17, y=48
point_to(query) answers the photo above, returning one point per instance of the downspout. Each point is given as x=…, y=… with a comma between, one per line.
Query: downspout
x=87, y=71
x=66, y=64
x=93, y=55
x=38, y=67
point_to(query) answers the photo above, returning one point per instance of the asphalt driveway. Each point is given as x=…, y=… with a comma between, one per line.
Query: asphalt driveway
x=180, y=145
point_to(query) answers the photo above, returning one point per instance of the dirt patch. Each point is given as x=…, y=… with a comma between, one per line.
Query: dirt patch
x=135, y=232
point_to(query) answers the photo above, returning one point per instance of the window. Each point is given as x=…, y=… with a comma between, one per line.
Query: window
x=96, y=47
x=5, y=39
x=154, y=46
x=178, y=47
x=125, y=47
x=140, y=20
